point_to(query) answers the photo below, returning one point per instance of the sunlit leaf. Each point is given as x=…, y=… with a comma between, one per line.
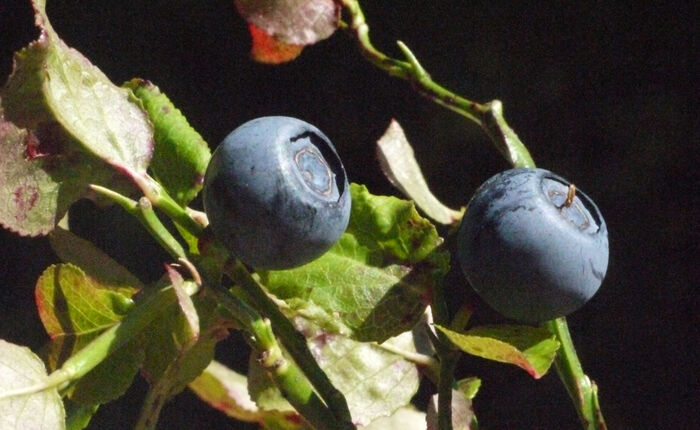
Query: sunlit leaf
x=62, y=121
x=181, y=155
x=374, y=379
x=531, y=348
x=36, y=190
x=377, y=279
x=53, y=83
x=70, y=303
x=75, y=308
x=20, y=367
x=227, y=391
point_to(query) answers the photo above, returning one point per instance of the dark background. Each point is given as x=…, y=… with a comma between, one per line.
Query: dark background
x=601, y=92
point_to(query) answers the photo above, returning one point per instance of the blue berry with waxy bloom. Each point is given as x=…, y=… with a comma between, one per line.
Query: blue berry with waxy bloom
x=532, y=246
x=276, y=193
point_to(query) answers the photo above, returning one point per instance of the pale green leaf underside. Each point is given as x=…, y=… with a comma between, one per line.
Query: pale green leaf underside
x=227, y=391
x=375, y=381
x=62, y=119
x=19, y=367
x=399, y=164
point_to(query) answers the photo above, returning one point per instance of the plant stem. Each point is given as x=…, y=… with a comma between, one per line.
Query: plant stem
x=489, y=115
x=287, y=376
x=293, y=341
x=120, y=334
x=583, y=391
x=160, y=198
x=143, y=211
x=447, y=356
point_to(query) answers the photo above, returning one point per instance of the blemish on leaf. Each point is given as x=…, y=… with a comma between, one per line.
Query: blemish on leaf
x=25, y=199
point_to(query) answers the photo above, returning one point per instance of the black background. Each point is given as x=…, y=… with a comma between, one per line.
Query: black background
x=601, y=92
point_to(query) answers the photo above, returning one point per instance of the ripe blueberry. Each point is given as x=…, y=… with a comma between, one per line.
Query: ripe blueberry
x=531, y=246
x=276, y=193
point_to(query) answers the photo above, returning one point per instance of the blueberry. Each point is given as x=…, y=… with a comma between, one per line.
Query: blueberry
x=531, y=246
x=276, y=193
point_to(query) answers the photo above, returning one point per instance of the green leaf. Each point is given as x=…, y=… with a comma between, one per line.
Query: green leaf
x=175, y=353
x=469, y=386
x=78, y=416
x=374, y=379
x=111, y=378
x=531, y=348
x=75, y=308
x=377, y=279
x=181, y=155
x=53, y=85
x=227, y=391
x=20, y=367
x=298, y=22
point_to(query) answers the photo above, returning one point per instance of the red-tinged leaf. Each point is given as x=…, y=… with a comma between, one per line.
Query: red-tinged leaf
x=267, y=49
x=53, y=83
x=297, y=22
x=70, y=303
x=173, y=356
x=75, y=308
x=531, y=348
x=62, y=125
x=227, y=391
x=36, y=186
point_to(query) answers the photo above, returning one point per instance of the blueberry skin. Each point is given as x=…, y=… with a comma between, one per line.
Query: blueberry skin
x=529, y=256
x=276, y=193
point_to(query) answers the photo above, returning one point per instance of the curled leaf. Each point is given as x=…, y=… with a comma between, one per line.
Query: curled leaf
x=398, y=163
